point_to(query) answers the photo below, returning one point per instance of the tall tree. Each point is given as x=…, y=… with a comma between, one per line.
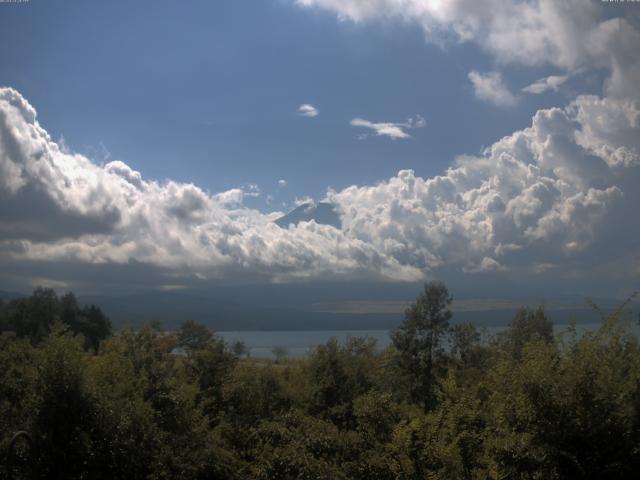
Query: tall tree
x=527, y=325
x=208, y=362
x=32, y=317
x=419, y=337
x=89, y=321
x=464, y=338
x=194, y=336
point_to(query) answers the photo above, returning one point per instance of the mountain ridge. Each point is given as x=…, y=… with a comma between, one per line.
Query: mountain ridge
x=323, y=213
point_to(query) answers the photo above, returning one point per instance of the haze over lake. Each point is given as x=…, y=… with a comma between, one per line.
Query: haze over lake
x=260, y=344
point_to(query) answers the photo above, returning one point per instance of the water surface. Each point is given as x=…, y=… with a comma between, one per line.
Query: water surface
x=299, y=343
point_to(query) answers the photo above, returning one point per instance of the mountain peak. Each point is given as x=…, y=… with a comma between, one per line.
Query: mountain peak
x=321, y=212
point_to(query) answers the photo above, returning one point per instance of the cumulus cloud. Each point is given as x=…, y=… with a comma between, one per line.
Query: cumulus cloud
x=230, y=197
x=307, y=110
x=552, y=82
x=489, y=87
x=394, y=131
x=552, y=193
x=561, y=192
x=570, y=35
x=58, y=206
x=282, y=183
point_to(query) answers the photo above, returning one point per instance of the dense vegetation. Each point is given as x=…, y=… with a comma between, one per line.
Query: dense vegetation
x=165, y=405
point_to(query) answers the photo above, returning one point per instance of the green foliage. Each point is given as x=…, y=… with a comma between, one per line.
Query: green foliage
x=124, y=422
x=33, y=317
x=418, y=340
x=88, y=321
x=528, y=325
x=297, y=446
x=209, y=367
x=255, y=392
x=376, y=416
x=465, y=339
x=155, y=405
x=570, y=413
x=18, y=374
x=338, y=375
x=63, y=410
x=194, y=336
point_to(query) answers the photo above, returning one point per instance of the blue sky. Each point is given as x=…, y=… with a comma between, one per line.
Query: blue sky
x=207, y=92
x=477, y=141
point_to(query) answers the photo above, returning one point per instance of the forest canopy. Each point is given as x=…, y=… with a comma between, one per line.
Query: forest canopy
x=442, y=401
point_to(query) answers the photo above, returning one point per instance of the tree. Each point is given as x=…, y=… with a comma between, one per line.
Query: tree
x=33, y=316
x=18, y=374
x=254, y=393
x=98, y=325
x=418, y=339
x=63, y=408
x=279, y=352
x=194, y=336
x=240, y=348
x=88, y=321
x=338, y=375
x=527, y=325
x=464, y=338
x=567, y=410
x=208, y=363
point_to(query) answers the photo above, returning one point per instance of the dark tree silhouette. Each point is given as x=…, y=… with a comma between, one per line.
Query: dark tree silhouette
x=33, y=317
x=194, y=336
x=419, y=337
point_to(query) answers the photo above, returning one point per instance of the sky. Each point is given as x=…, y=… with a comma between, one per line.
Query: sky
x=154, y=143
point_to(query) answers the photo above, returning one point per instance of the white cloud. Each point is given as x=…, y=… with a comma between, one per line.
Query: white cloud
x=553, y=193
x=387, y=129
x=487, y=264
x=552, y=82
x=302, y=200
x=61, y=207
x=282, y=183
x=490, y=87
x=607, y=130
x=235, y=196
x=307, y=110
x=562, y=192
x=391, y=130
x=571, y=35
x=558, y=193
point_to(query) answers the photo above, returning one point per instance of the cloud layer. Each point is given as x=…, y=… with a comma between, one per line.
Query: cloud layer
x=553, y=199
x=571, y=35
x=58, y=206
x=557, y=194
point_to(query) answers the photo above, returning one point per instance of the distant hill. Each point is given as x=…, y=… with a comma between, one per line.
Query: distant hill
x=173, y=308
x=8, y=296
x=246, y=308
x=322, y=213
x=302, y=306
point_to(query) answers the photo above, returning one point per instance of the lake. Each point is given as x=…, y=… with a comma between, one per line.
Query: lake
x=300, y=343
